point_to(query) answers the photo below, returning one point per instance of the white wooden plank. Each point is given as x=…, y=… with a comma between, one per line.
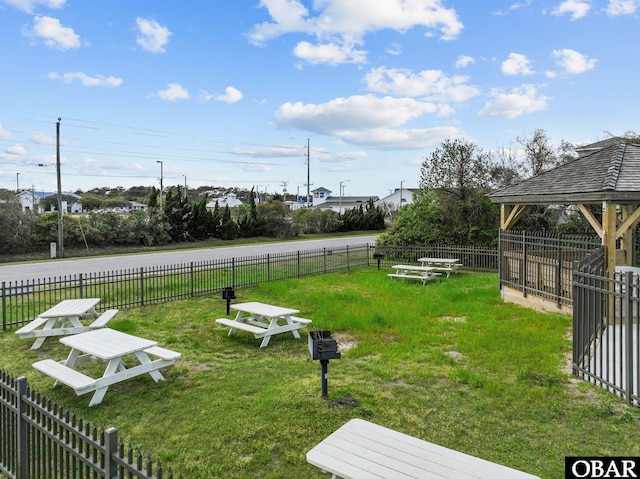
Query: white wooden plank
x=361, y=449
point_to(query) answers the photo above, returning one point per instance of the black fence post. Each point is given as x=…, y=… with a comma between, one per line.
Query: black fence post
x=110, y=449
x=192, y=279
x=523, y=272
x=629, y=332
x=4, y=306
x=22, y=430
x=81, y=285
x=141, y=286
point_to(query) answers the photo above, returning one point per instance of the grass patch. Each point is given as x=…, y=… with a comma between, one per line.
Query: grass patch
x=447, y=362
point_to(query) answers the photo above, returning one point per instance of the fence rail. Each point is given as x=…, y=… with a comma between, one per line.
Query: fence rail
x=40, y=440
x=22, y=301
x=606, y=336
x=542, y=264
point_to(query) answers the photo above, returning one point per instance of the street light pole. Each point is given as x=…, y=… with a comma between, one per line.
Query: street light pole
x=401, y=194
x=185, y=187
x=17, y=182
x=60, y=250
x=341, y=188
x=161, y=175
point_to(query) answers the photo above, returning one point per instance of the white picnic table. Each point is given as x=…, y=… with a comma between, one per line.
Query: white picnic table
x=112, y=347
x=264, y=320
x=363, y=450
x=445, y=265
x=412, y=271
x=65, y=318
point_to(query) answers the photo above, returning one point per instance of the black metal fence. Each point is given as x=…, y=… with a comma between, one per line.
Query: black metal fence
x=39, y=440
x=24, y=300
x=542, y=264
x=606, y=337
x=475, y=258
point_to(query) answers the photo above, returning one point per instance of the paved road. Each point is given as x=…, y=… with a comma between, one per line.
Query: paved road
x=46, y=269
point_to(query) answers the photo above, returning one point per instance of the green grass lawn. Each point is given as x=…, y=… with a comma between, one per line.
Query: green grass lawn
x=447, y=362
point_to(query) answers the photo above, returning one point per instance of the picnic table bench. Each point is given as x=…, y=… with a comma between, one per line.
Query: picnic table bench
x=409, y=271
x=444, y=265
x=65, y=318
x=263, y=320
x=112, y=347
x=364, y=450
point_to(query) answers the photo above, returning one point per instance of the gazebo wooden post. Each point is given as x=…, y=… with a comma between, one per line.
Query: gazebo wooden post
x=627, y=235
x=609, y=225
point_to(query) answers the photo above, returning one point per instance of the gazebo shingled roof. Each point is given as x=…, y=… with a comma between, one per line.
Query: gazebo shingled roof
x=609, y=176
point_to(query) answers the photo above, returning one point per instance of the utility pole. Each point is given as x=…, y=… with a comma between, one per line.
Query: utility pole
x=161, y=175
x=60, y=249
x=17, y=182
x=284, y=189
x=308, y=173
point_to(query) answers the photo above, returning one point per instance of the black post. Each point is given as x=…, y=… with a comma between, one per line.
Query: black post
x=228, y=305
x=325, y=366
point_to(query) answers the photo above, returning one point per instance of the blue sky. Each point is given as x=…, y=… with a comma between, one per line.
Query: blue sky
x=230, y=93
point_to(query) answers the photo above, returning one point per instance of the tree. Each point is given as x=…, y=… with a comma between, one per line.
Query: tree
x=228, y=227
x=539, y=153
x=451, y=207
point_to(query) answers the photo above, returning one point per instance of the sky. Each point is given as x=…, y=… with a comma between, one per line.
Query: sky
x=275, y=95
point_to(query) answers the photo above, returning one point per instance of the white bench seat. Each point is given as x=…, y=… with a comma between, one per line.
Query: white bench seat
x=26, y=330
x=102, y=320
x=296, y=319
x=80, y=383
x=257, y=330
x=163, y=353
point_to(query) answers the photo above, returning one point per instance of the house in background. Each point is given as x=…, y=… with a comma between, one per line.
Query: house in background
x=340, y=204
x=396, y=200
x=135, y=206
x=230, y=200
x=320, y=195
x=31, y=201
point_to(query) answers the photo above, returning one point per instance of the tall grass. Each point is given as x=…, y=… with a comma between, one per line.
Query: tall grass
x=447, y=362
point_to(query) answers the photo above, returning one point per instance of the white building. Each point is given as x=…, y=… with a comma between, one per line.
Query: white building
x=396, y=200
x=230, y=200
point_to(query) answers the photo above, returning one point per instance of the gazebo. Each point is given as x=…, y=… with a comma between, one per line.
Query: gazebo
x=609, y=177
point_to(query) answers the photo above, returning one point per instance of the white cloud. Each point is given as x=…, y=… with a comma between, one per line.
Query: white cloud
x=28, y=6
x=152, y=36
x=359, y=112
x=464, y=61
x=338, y=25
x=268, y=151
x=432, y=85
x=87, y=80
x=576, y=8
x=174, y=92
x=364, y=120
x=514, y=7
x=41, y=138
x=54, y=34
x=329, y=53
x=231, y=95
x=572, y=61
x=4, y=134
x=400, y=139
x=518, y=101
x=16, y=150
x=394, y=49
x=517, y=64
x=622, y=7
